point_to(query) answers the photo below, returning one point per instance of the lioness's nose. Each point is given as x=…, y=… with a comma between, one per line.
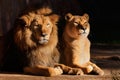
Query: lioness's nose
x=83, y=28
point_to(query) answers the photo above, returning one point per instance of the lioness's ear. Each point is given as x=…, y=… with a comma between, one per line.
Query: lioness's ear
x=54, y=18
x=68, y=16
x=86, y=16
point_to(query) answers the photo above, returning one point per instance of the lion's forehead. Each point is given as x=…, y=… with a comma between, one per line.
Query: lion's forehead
x=42, y=19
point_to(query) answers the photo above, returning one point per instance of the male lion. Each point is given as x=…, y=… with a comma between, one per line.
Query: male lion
x=32, y=46
x=77, y=45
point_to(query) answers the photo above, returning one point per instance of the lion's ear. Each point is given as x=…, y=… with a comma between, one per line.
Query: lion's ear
x=86, y=16
x=20, y=22
x=24, y=21
x=68, y=16
x=54, y=18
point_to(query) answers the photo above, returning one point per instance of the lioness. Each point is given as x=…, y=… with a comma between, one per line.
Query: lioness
x=77, y=45
x=32, y=45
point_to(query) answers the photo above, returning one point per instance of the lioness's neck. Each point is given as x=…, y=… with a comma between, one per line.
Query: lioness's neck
x=69, y=38
x=70, y=41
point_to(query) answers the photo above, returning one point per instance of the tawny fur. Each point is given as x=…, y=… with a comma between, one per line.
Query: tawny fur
x=77, y=45
x=32, y=45
x=37, y=39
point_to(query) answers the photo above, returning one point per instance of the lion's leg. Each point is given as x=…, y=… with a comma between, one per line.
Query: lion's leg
x=70, y=70
x=96, y=69
x=42, y=70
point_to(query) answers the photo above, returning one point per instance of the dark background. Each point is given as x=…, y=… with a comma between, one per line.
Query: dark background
x=105, y=20
x=104, y=15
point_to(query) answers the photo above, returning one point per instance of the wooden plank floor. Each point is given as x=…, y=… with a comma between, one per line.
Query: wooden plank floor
x=105, y=56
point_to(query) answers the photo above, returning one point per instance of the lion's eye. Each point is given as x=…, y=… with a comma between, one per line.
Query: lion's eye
x=75, y=23
x=35, y=27
x=48, y=25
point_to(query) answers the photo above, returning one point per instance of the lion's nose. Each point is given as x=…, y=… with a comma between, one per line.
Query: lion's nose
x=43, y=34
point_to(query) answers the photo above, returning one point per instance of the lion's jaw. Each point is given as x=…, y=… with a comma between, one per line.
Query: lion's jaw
x=43, y=40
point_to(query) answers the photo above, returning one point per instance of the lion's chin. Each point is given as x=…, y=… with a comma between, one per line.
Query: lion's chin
x=43, y=41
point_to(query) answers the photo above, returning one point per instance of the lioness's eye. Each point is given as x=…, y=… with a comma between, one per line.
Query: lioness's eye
x=85, y=24
x=75, y=23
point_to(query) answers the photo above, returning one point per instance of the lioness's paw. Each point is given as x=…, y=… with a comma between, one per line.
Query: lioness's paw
x=101, y=72
x=89, y=69
x=76, y=71
x=98, y=72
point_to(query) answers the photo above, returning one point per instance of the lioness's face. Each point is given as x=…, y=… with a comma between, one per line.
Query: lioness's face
x=41, y=28
x=77, y=25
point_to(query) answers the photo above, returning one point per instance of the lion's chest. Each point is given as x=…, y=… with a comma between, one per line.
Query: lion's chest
x=40, y=57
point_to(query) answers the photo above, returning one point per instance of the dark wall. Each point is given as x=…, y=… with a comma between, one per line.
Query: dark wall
x=105, y=19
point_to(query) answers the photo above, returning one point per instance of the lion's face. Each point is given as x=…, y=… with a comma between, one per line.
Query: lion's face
x=41, y=28
x=34, y=29
x=77, y=25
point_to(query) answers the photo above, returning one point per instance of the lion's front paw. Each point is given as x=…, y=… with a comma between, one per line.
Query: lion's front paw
x=76, y=71
x=58, y=70
x=55, y=71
